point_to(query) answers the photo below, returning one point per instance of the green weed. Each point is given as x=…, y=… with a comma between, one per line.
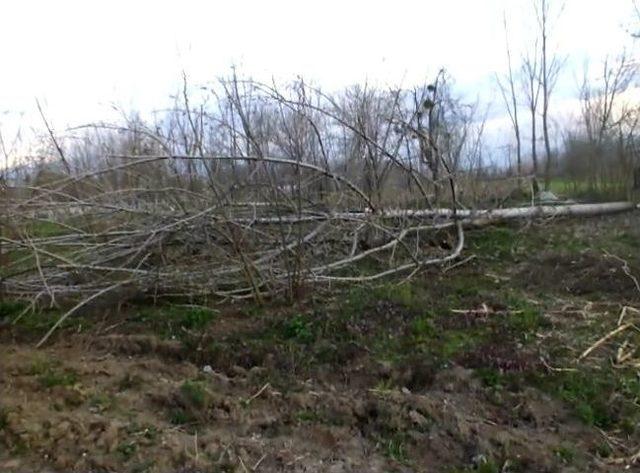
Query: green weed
x=127, y=450
x=395, y=448
x=173, y=321
x=50, y=374
x=565, y=453
x=101, y=402
x=298, y=328
x=195, y=394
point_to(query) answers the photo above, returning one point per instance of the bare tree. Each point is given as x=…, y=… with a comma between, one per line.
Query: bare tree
x=608, y=126
x=598, y=103
x=509, y=96
x=550, y=66
x=531, y=85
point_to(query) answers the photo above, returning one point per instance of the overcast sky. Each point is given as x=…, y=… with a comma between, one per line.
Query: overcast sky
x=78, y=57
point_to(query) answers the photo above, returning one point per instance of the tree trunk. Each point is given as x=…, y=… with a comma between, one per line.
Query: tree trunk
x=545, y=98
x=534, y=152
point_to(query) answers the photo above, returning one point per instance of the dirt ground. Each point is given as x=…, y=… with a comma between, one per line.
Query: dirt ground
x=472, y=368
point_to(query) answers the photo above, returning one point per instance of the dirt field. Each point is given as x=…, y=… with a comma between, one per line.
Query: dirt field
x=470, y=368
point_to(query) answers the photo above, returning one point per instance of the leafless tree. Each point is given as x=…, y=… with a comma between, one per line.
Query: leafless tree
x=509, y=96
x=531, y=86
x=601, y=152
x=248, y=191
x=599, y=102
x=550, y=66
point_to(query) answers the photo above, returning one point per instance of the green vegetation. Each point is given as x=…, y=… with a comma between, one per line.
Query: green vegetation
x=524, y=318
x=10, y=309
x=129, y=381
x=175, y=321
x=603, y=398
x=4, y=418
x=101, y=402
x=148, y=432
x=483, y=465
x=192, y=403
x=46, y=228
x=50, y=374
x=395, y=448
x=143, y=467
x=566, y=453
x=410, y=296
x=127, y=449
x=604, y=450
x=179, y=416
x=495, y=242
x=308, y=415
x=298, y=328
x=40, y=321
x=582, y=189
x=495, y=316
x=487, y=466
x=194, y=393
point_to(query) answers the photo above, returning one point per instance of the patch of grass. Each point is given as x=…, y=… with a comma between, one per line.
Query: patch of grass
x=490, y=377
x=493, y=242
x=443, y=344
x=195, y=318
x=483, y=465
x=148, y=432
x=600, y=397
x=572, y=245
x=384, y=386
x=628, y=240
x=127, y=449
x=457, y=289
x=423, y=329
x=143, y=467
x=586, y=394
x=43, y=228
x=179, y=416
x=395, y=448
x=195, y=394
x=53, y=378
x=604, y=450
x=566, y=453
x=357, y=299
x=298, y=328
x=456, y=342
x=129, y=381
x=40, y=321
x=19, y=448
x=408, y=295
x=101, y=402
x=254, y=310
x=50, y=374
x=34, y=322
x=307, y=415
x=173, y=321
x=4, y=418
x=488, y=466
x=582, y=189
x=525, y=320
x=11, y=309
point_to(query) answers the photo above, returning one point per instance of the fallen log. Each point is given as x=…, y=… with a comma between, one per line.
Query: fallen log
x=467, y=216
x=543, y=211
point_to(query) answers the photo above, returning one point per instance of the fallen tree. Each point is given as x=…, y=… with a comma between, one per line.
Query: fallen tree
x=172, y=211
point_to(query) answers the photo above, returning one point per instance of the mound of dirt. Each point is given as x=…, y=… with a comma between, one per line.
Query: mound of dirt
x=137, y=412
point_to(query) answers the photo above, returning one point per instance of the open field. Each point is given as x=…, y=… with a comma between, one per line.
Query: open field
x=583, y=190
x=473, y=367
